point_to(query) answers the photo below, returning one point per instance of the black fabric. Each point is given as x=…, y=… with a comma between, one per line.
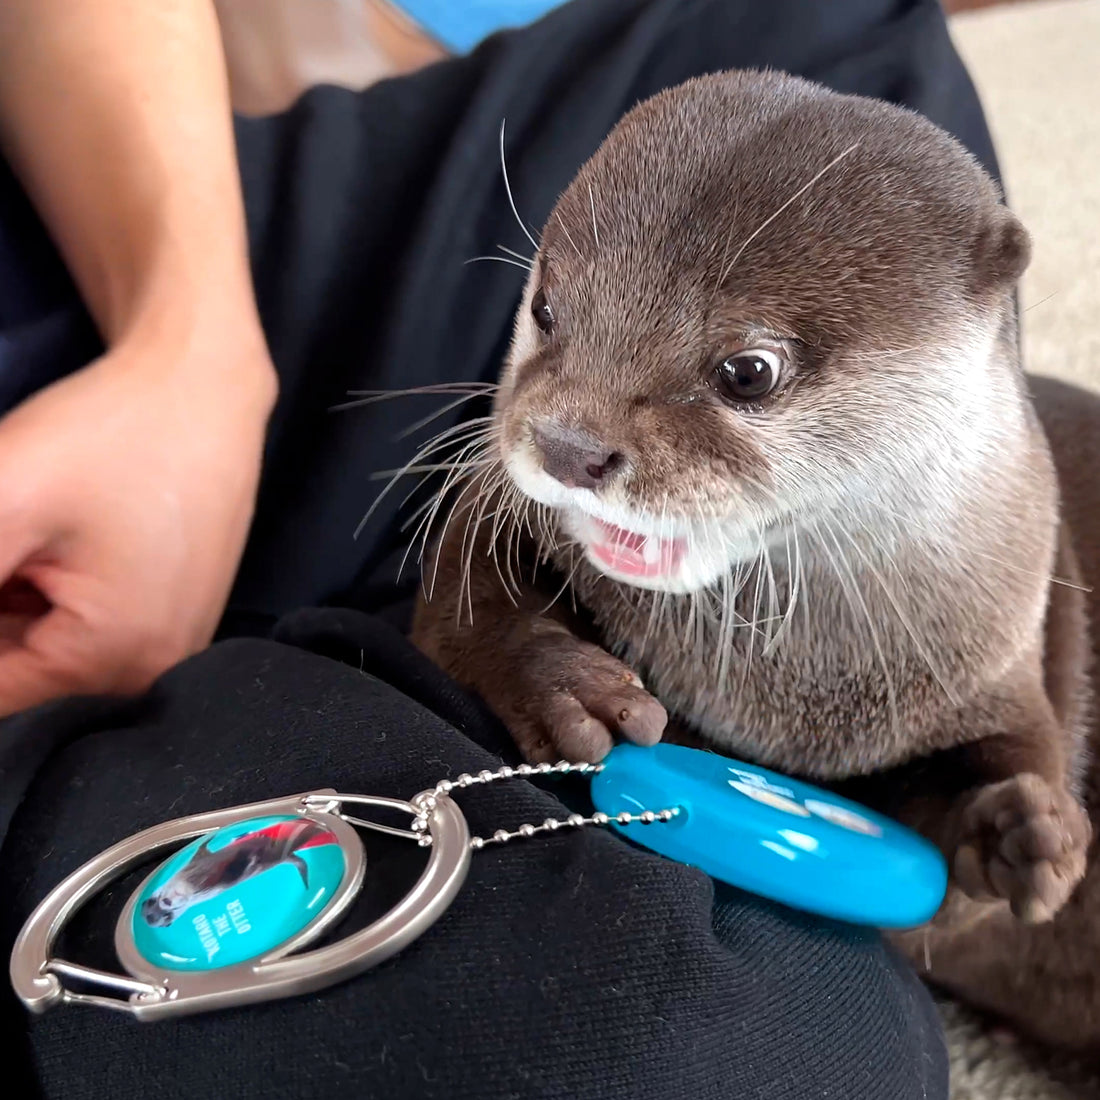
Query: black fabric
x=575, y=967
x=571, y=968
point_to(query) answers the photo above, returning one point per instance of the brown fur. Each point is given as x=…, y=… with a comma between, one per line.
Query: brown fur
x=897, y=481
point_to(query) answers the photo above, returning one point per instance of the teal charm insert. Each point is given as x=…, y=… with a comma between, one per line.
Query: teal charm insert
x=237, y=893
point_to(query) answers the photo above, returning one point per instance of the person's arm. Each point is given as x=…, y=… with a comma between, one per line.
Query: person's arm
x=115, y=114
x=126, y=490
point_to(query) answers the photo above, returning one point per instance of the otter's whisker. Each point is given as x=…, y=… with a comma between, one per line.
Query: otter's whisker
x=545, y=538
x=498, y=259
x=651, y=622
x=531, y=522
x=478, y=431
x=522, y=522
x=498, y=517
x=419, y=511
x=726, y=246
x=424, y=421
x=417, y=516
x=792, y=598
x=689, y=611
x=802, y=594
x=1041, y=301
x=595, y=228
x=662, y=528
x=511, y=496
x=903, y=619
x=445, y=389
x=569, y=236
x=572, y=591
x=477, y=515
x=467, y=510
x=432, y=390
x=427, y=469
x=527, y=261
x=757, y=572
x=773, y=602
x=725, y=616
x=477, y=425
x=567, y=584
x=508, y=188
x=889, y=353
x=851, y=590
x=446, y=524
x=527, y=530
x=472, y=454
x=473, y=451
x=512, y=536
x=512, y=500
x=382, y=495
x=794, y=198
x=457, y=510
x=907, y=523
x=416, y=465
x=804, y=591
x=483, y=450
x=427, y=523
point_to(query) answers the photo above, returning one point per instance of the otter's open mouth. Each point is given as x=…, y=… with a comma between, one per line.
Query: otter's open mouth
x=634, y=555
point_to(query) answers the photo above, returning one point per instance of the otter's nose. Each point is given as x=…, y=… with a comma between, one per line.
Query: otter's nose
x=574, y=457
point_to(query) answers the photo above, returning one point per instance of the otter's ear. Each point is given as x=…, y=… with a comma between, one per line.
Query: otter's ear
x=1001, y=252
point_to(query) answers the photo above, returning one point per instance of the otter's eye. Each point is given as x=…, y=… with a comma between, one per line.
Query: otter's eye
x=541, y=311
x=748, y=375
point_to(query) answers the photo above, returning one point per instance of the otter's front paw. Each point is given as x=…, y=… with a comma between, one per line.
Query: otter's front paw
x=1023, y=841
x=566, y=699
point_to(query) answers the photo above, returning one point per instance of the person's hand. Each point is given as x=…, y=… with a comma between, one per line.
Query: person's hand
x=126, y=492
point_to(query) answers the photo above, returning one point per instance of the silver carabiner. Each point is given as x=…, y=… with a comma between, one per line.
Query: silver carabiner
x=158, y=988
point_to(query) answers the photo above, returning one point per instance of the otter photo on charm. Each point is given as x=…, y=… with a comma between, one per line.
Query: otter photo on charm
x=237, y=892
x=206, y=874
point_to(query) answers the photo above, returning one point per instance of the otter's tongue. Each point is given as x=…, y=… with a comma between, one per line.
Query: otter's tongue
x=635, y=555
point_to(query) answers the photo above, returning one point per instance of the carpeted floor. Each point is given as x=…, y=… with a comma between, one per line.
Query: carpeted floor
x=1037, y=68
x=984, y=1067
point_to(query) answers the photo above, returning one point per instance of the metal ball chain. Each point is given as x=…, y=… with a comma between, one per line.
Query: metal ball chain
x=425, y=803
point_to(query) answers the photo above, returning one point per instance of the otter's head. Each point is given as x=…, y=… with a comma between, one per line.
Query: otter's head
x=758, y=302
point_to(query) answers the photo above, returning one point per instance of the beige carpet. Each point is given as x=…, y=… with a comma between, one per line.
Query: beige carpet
x=1037, y=68
x=984, y=1067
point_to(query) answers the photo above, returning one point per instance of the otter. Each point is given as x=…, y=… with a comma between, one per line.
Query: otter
x=764, y=474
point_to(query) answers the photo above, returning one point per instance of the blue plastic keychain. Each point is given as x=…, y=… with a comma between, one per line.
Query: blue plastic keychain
x=229, y=917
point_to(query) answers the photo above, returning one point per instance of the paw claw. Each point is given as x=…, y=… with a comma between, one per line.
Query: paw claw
x=571, y=700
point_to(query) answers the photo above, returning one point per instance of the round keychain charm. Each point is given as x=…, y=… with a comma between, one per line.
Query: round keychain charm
x=239, y=893
x=223, y=921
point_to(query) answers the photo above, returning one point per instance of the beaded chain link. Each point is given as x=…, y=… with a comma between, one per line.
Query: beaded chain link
x=425, y=803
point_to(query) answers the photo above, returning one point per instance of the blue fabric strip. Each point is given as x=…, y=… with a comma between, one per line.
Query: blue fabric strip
x=459, y=25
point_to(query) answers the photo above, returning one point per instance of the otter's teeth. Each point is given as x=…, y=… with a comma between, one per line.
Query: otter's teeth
x=651, y=551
